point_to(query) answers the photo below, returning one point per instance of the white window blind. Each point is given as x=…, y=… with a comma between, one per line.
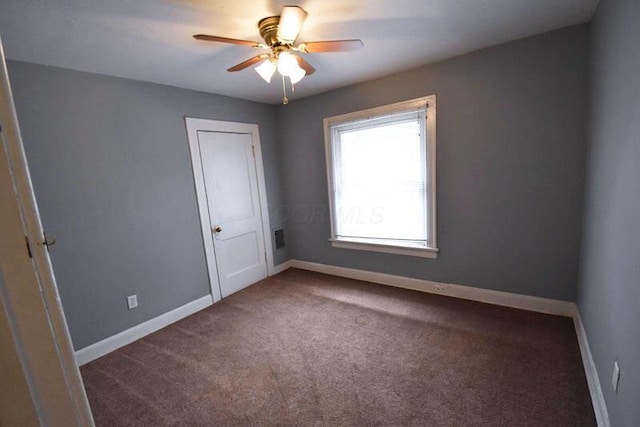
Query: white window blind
x=380, y=178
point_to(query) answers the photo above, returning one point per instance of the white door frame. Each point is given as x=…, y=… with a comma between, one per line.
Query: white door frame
x=193, y=126
x=29, y=292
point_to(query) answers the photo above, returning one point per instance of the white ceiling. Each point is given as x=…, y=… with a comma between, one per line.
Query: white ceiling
x=152, y=40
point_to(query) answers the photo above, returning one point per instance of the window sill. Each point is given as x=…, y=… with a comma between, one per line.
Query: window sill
x=389, y=249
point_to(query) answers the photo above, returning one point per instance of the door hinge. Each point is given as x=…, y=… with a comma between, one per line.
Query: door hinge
x=253, y=150
x=26, y=240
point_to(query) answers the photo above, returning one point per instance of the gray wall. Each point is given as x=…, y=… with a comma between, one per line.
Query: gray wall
x=110, y=163
x=511, y=152
x=609, y=291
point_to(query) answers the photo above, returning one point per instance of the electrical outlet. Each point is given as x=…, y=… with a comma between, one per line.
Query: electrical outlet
x=132, y=301
x=616, y=376
x=438, y=288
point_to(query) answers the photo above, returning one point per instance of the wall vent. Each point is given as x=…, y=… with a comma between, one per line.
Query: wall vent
x=279, y=237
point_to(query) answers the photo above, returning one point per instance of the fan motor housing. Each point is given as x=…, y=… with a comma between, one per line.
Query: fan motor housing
x=269, y=30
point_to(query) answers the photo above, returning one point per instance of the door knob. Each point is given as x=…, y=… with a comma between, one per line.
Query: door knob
x=217, y=229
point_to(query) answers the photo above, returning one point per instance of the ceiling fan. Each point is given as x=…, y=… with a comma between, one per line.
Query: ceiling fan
x=280, y=34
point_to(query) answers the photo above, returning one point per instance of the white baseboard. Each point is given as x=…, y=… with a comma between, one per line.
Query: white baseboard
x=595, y=389
x=525, y=302
x=107, y=345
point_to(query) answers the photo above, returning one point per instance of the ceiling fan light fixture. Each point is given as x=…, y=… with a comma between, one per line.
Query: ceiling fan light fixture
x=291, y=20
x=266, y=70
x=297, y=74
x=287, y=63
x=279, y=33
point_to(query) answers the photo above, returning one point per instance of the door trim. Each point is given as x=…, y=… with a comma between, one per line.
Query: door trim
x=193, y=126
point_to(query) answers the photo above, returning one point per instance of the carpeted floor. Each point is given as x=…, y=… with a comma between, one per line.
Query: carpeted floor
x=304, y=348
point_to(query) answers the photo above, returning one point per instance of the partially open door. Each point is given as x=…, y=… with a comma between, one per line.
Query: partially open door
x=40, y=380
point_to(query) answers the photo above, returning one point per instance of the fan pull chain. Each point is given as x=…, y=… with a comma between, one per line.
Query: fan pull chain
x=285, y=100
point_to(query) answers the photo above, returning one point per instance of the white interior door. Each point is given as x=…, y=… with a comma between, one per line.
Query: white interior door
x=232, y=197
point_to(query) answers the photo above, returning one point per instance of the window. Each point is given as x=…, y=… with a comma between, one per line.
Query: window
x=381, y=171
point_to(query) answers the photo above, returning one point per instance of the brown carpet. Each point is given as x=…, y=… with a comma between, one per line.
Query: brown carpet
x=303, y=348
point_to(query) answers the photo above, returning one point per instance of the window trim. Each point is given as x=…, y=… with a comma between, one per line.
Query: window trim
x=429, y=104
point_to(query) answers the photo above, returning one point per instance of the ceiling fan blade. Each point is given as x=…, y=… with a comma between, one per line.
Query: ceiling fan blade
x=331, y=46
x=291, y=20
x=305, y=65
x=249, y=62
x=209, y=38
